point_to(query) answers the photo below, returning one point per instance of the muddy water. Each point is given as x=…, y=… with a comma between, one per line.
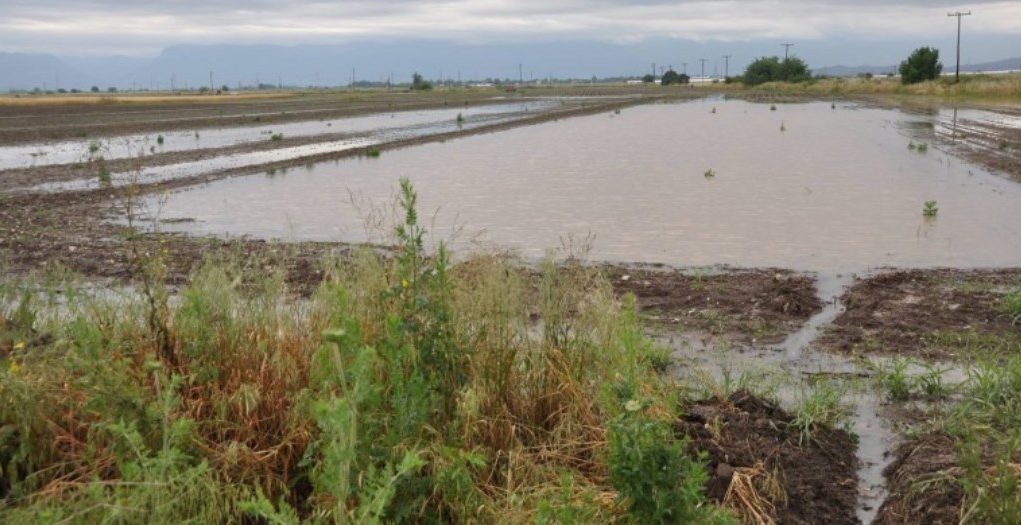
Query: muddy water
x=180, y=170
x=836, y=190
x=67, y=152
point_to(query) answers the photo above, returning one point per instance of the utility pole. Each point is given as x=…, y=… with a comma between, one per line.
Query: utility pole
x=958, y=14
x=685, y=66
x=521, y=75
x=786, y=49
x=211, y=82
x=726, y=67
x=653, y=71
x=703, y=68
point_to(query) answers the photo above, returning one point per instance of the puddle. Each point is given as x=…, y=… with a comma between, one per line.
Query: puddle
x=837, y=191
x=68, y=152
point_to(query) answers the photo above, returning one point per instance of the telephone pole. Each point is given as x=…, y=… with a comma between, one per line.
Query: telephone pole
x=703, y=68
x=726, y=66
x=786, y=49
x=521, y=75
x=685, y=66
x=958, y=14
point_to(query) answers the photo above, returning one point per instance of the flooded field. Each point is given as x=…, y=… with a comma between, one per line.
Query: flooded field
x=820, y=277
x=805, y=186
x=73, y=151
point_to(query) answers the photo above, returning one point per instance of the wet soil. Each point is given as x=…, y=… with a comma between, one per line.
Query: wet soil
x=942, y=313
x=753, y=448
x=747, y=306
x=922, y=458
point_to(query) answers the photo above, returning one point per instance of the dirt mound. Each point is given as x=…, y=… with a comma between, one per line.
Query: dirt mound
x=760, y=465
x=919, y=459
x=760, y=305
x=930, y=313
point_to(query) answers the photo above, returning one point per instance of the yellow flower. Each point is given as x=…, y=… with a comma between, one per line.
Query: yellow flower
x=14, y=367
x=632, y=405
x=405, y=283
x=20, y=345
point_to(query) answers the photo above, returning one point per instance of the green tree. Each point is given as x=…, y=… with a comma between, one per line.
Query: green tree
x=648, y=79
x=420, y=84
x=772, y=69
x=95, y=89
x=923, y=64
x=672, y=77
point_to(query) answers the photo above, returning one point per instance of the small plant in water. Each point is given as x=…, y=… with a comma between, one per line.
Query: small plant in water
x=709, y=173
x=930, y=209
x=782, y=127
x=93, y=147
x=833, y=105
x=373, y=152
x=276, y=137
x=159, y=140
x=460, y=119
x=772, y=107
x=714, y=110
x=104, y=177
x=923, y=147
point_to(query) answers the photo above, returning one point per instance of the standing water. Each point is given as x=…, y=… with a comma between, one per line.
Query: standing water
x=804, y=187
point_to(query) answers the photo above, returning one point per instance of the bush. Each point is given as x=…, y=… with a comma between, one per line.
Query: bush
x=420, y=84
x=772, y=69
x=648, y=79
x=94, y=89
x=922, y=65
x=656, y=478
x=672, y=77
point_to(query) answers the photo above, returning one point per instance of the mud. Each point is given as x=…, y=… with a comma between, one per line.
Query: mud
x=925, y=457
x=750, y=306
x=744, y=435
x=944, y=314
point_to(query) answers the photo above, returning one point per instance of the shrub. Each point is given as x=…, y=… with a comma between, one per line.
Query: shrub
x=420, y=84
x=772, y=69
x=657, y=480
x=923, y=64
x=673, y=77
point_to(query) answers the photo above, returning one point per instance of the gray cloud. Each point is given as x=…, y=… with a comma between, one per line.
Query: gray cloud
x=143, y=27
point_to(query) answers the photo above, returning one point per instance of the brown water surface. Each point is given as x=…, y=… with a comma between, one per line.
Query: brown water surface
x=804, y=187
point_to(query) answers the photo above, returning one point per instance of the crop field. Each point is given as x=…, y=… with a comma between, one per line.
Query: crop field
x=583, y=304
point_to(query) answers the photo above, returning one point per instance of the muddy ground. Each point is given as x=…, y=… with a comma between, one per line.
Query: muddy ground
x=762, y=467
x=944, y=314
x=747, y=306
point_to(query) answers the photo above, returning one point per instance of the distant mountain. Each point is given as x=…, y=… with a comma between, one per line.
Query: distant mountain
x=1010, y=64
x=30, y=70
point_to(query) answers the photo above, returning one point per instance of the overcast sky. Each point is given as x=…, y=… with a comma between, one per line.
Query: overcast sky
x=144, y=27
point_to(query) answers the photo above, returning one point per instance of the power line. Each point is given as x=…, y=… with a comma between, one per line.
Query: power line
x=726, y=66
x=958, y=14
x=786, y=49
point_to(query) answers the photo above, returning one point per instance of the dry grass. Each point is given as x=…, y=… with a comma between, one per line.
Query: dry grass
x=84, y=99
x=1007, y=86
x=754, y=493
